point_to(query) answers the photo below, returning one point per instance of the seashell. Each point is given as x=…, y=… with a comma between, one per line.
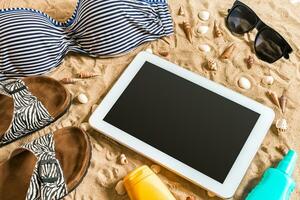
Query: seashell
x=85, y=126
x=86, y=75
x=190, y=198
x=281, y=125
x=250, y=61
x=123, y=159
x=149, y=50
x=204, y=15
x=268, y=80
x=283, y=102
x=155, y=168
x=82, y=98
x=204, y=47
x=186, y=26
x=120, y=189
x=164, y=53
x=274, y=98
x=210, y=194
x=244, y=83
x=228, y=52
x=212, y=65
x=68, y=80
x=181, y=11
x=202, y=29
x=282, y=149
x=217, y=31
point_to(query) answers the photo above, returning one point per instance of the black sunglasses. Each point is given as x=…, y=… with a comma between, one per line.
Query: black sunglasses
x=269, y=45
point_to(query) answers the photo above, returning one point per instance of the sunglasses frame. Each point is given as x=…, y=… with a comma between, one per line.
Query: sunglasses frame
x=260, y=26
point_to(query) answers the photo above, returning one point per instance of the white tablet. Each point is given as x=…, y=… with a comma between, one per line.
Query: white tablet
x=194, y=127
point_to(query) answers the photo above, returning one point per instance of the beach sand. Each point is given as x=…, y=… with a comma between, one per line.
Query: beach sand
x=105, y=171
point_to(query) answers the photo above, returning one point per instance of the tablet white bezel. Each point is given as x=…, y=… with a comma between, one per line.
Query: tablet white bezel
x=238, y=170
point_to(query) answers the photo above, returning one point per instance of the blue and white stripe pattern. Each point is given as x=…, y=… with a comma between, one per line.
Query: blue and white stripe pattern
x=45, y=169
x=32, y=43
x=29, y=113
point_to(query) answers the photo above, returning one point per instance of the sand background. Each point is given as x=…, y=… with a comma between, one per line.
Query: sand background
x=105, y=171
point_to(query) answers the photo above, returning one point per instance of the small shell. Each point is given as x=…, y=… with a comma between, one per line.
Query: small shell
x=217, y=31
x=181, y=11
x=228, y=52
x=120, y=189
x=68, y=80
x=190, y=198
x=283, y=102
x=204, y=15
x=274, y=98
x=212, y=65
x=82, y=98
x=268, y=80
x=282, y=149
x=155, y=168
x=86, y=75
x=204, y=47
x=163, y=53
x=244, y=83
x=281, y=125
x=123, y=159
x=202, y=29
x=149, y=50
x=186, y=26
x=250, y=61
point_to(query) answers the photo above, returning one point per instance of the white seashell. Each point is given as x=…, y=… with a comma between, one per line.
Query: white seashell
x=155, y=168
x=123, y=159
x=202, y=29
x=204, y=15
x=204, y=47
x=244, y=83
x=268, y=80
x=120, y=189
x=281, y=125
x=149, y=50
x=82, y=98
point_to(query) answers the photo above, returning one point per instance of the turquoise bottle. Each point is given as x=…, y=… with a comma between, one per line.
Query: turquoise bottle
x=276, y=183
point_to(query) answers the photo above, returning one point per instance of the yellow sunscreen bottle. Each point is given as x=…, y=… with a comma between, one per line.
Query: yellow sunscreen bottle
x=144, y=184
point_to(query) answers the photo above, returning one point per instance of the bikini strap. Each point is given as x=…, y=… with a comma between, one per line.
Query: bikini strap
x=47, y=181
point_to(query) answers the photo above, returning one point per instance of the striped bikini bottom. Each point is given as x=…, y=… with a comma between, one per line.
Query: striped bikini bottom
x=32, y=43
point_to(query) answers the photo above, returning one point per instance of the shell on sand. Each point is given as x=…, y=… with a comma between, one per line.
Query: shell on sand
x=69, y=80
x=204, y=15
x=282, y=149
x=86, y=75
x=217, y=30
x=202, y=29
x=268, y=80
x=228, y=52
x=283, y=102
x=181, y=11
x=250, y=61
x=123, y=159
x=120, y=189
x=186, y=26
x=82, y=98
x=281, y=125
x=274, y=98
x=244, y=83
x=212, y=65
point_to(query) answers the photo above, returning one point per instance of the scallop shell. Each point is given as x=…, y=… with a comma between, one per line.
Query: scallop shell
x=274, y=98
x=69, y=80
x=86, y=75
x=244, y=83
x=250, y=61
x=186, y=26
x=202, y=29
x=268, y=80
x=204, y=47
x=217, y=30
x=82, y=98
x=283, y=102
x=204, y=15
x=120, y=189
x=155, y=168
x=228, y=52
x=281, y=125
x=123, y=159
x=181, y=11
x=212, y=65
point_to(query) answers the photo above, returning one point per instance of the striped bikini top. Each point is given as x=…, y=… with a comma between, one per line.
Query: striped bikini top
x=32, y=43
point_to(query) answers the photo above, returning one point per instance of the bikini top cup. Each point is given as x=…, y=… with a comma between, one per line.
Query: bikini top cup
x=32, y=43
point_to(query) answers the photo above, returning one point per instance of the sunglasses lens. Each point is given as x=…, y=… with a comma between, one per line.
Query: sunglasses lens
x=269, y=45
x=241, y=20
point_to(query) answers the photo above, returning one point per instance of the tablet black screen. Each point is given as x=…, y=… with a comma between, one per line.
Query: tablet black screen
x=190, y=123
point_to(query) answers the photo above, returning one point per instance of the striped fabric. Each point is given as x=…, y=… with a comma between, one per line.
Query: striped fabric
x=29, y=113
x=32, y=43
x=47, y=181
